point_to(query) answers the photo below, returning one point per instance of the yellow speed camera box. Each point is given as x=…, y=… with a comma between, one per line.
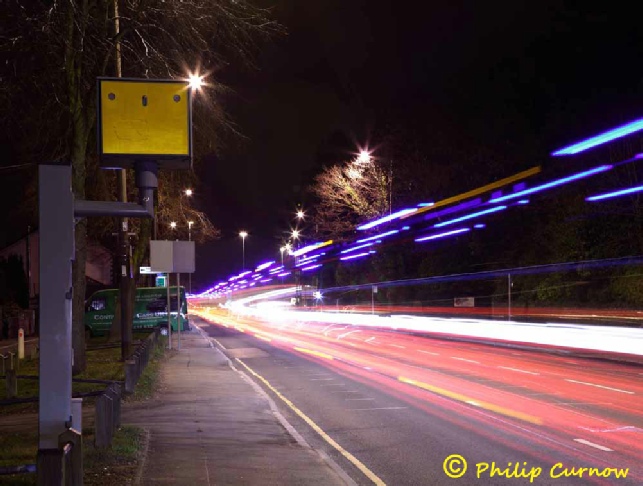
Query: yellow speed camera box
x=142, y=119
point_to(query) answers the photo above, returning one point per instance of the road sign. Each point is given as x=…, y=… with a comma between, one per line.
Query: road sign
x=142, y=119
x=161, y=281
x=146, y=271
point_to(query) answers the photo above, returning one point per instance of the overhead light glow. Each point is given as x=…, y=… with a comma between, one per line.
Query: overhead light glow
x=386, y=219
x=426, y=205
x=620, y=192
x=554, y=183
x=469, y=216
x=479, y=226
x=601, y=138
x=442, y=235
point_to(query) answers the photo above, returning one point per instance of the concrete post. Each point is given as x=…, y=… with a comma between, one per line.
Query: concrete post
x=21, y=343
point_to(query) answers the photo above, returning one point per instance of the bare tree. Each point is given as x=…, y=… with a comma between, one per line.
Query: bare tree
x=348, y=194
x=57, y=49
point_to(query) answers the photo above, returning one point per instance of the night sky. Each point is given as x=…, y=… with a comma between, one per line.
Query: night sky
x=524, y=77
x=518, y=77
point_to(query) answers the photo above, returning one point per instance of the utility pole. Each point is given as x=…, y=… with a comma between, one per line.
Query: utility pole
x=125, y=282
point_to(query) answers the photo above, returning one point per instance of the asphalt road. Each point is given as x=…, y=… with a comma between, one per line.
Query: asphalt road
x=392, y=407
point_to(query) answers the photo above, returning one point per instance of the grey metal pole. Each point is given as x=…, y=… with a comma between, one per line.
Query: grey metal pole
x=508, y=296
x=56, y=228
x=169, y=313
x=178, y=308
x=372, y=300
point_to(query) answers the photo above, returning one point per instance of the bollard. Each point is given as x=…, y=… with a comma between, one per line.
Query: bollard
x=21, y=343
x=103, y=422
x=114, y=392
x=11, y=364
x=12, y=383
x=77, y=414
x=130, y=376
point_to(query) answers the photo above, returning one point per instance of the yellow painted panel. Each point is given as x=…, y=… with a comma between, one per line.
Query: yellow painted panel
x=145, y=118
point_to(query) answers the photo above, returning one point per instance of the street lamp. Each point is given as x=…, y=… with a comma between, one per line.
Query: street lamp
x=188, y=192
x=173, y=225
x=195, y=81
x=282, y=250
x=243, y=235
x=300, y=214
x=190, y=223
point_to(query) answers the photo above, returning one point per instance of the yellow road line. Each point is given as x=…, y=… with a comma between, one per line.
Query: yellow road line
x=314, y=353
x=480, y=190
x=356, y=462
x=472, y=401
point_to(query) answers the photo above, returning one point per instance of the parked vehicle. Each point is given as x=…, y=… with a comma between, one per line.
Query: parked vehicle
x=150, y=310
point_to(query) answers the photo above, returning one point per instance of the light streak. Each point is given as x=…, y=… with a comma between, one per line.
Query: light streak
x=386, y=219
x=442, y=235
x=357, y=255
x=470, y=216
x=381, y=235
x=601, y=138
x=620, y=192
x=554, y=183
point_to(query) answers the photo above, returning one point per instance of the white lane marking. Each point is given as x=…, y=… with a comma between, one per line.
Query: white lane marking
x=355, y=399
x=396, y=346
x=322, y=379
x=428, y=352
x=475, y=404
x=347, y=391
x=465, y=359
x=334, y=384
x=380, y=408
x=373, y=337
x=347, y=334
x=591, y=444
x=625, y=428
x=518, y=370
x=600, y=386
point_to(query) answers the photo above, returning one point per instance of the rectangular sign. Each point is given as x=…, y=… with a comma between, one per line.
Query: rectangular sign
x=143, y=118
x=464, y=302
x=146, y=270
x=161, y=281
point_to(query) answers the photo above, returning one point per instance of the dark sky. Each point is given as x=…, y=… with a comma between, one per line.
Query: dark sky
x=542, y=72
x=505, y=75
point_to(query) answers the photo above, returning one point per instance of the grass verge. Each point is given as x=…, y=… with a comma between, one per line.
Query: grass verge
x=115, y=465
x=102, y=467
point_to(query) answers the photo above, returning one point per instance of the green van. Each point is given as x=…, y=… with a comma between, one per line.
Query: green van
x=150, y=310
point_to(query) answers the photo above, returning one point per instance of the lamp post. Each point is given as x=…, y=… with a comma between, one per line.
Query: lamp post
x=190, y=223
x=282, y=250
x=243, y=235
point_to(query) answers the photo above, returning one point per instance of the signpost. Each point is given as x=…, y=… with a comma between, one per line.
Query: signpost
x=142, y=124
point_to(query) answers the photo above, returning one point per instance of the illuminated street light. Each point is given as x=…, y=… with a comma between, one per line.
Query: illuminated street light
x=188, y=192
x=243, y=235
x=195, y=81
x=173, y=225
x=300, y=214
x=364, y=157
x=295, y=234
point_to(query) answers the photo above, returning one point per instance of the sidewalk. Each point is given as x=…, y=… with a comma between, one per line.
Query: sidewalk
x=208, y=425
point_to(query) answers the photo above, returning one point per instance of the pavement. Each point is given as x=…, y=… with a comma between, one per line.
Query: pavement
x=210, y=424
